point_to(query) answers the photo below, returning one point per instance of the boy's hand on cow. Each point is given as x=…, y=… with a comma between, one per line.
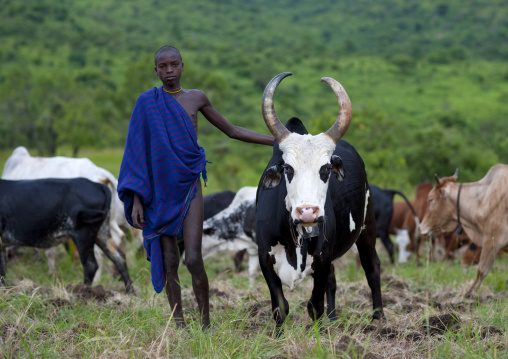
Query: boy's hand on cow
x=137, y=213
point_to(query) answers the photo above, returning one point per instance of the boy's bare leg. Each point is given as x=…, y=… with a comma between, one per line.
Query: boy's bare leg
x=171, y=260
x=192, y=234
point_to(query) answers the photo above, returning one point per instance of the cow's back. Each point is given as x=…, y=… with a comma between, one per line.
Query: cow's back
x=34, y=210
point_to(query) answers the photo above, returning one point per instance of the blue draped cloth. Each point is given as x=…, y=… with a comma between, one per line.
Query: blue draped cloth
x=162, y=164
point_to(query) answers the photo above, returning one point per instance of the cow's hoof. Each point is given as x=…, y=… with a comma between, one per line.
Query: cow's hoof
x=130, y=289
x=378, y=319
x=278, y=332
x=208, y=329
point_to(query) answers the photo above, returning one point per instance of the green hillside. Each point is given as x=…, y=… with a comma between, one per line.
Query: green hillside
x=428, y=79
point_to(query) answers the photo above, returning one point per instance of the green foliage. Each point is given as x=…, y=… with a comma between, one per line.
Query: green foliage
x=73, y=70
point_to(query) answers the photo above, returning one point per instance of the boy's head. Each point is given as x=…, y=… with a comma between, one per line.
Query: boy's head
x=165, y=49
x=169, y=67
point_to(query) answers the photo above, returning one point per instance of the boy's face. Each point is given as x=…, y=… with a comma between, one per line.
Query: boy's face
x=169, y=68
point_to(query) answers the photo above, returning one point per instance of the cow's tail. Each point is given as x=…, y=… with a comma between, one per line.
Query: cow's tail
x=111, y=183
x=417, y=220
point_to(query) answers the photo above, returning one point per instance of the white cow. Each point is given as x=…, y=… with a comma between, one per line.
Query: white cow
x=20, y=165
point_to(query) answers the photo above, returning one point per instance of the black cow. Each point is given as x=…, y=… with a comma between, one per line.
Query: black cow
x=312, y=205
x=43, y=213
x=383, y=211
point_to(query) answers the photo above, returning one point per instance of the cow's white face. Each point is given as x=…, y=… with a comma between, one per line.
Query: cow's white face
x=307, y=170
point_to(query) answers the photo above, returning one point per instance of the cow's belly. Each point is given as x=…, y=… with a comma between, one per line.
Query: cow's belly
x=38, y=237
x=289, y=275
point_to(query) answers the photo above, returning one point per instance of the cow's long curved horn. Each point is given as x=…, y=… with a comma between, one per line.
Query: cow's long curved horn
x=456, y=174
x=340, y=126
x=278, y=130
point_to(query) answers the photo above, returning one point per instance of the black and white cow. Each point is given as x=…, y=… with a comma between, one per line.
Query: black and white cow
x=22, y=166
x=383, y=211
x=213, y=203
x=233, y=229
x=43, y=213
x=313, y=204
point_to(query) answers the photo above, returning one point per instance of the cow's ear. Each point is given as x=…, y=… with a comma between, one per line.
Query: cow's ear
x=272, y=177
x=338, y=168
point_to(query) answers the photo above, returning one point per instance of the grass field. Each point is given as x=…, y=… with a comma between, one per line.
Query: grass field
x=427, y=316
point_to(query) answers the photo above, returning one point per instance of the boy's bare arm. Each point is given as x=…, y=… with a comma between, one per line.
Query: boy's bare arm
x=236, y=132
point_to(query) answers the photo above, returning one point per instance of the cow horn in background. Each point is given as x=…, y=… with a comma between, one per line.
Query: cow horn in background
x=438, y=180
x=278, y=130
x=340, y=126
x=456, y=174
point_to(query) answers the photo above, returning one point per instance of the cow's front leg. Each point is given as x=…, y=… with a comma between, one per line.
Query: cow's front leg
x=280, y=306
x=316, y=303
x=372, y=268
x=253, y=266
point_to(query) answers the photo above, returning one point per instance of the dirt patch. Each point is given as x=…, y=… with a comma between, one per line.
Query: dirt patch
x=347, y=345
x=441, y=323
x=87, y=292
x=59, y=302
x=490, y=331
x=217, y=293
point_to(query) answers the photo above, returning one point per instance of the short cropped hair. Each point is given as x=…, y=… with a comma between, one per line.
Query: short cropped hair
x=164, y=49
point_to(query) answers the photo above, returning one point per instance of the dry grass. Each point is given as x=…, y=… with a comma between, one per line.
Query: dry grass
x=426, y=315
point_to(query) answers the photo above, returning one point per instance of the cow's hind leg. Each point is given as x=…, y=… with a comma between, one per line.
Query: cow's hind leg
x=486, y=261
x=84, y=244
x=366, y=245
x=51, y=257
x=111, y=251
x=331, y=289
x=387, y=242
x=3, y=263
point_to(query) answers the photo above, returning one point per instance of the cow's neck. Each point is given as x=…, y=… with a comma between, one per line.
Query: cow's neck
x=465, y=204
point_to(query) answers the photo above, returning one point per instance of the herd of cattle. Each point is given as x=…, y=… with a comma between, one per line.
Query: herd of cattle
x=313, y=203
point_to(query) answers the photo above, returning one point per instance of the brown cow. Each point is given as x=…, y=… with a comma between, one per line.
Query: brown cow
x=403, y=218
x=478, y=207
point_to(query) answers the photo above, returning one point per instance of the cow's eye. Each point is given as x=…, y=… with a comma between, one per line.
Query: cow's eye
x=324, y=172
x=289, y=172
